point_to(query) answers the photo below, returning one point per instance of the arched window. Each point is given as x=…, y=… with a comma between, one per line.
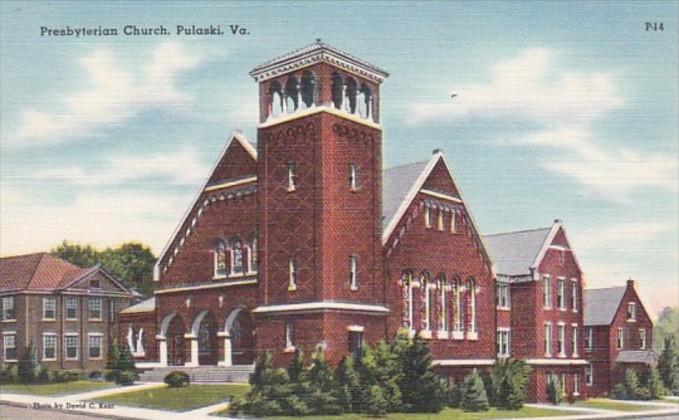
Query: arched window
x=350, y=97
x=276, y=95
x=308, y=89
x=292, y=274
x=220, y=259
x=407, y=293
x=237, y=266
x=291, y=95
x=252, y=255
x=364, y=101
x=428, y=307
x=459, y=305
x=443, y=308
x=337, y=90
x=471, y=290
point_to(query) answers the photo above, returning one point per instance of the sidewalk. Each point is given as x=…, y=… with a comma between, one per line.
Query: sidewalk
x=586, y=413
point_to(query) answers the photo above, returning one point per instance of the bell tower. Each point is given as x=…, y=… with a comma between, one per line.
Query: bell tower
x=319, y=147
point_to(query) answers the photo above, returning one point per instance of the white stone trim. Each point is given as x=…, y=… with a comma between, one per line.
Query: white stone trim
x=206, y=286
x=231, y=184
x=356, y=328
x=556, y=362
x=321, y=306
x=441, y=195
x=463, y=362
x=548, y=244
x=315, y=110
x=458, y=335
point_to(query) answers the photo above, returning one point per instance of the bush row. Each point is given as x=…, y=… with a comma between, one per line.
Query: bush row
x=650, y=387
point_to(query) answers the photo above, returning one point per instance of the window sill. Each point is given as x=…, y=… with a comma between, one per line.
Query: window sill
x=139, y=354
x=458, y=335
x=562, y=309
x=11, y=360
x=292, y=288
x=631, y=320
x=425, y=334
x=71, y=359
x=289, y=349
x=576, y=394
x=562, y=355
x=290, y=189
x=71, y=319
x=504, y=356
x=354, y=288
x=95, y=320
x=49, y=360
x=503, y=308
x=95, y=358
x=442, y=334
x=218, y=277
x=9, y=320
x=472, y=336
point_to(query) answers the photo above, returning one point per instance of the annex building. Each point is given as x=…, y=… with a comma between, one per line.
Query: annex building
x=307, y=240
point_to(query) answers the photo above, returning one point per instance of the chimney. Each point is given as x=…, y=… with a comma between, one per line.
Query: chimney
x=630, y=283
x=436, y=151
x=557, y=221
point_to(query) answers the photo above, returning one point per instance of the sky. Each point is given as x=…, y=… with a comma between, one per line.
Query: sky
x=564, y=110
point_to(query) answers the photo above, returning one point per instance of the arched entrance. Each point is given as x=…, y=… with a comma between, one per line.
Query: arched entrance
x=207, y=340
x=176, y=343
x=239, y=344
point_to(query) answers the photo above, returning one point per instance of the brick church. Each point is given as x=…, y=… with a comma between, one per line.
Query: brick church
x=305, y=240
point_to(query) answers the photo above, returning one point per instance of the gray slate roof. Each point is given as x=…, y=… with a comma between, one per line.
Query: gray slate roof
x=514, y=252
x=148, y=305
x=396, y=182
x=637, y=356
x=601, y=304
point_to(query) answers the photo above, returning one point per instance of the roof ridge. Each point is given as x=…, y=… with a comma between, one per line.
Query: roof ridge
x=518, y=231
x=35, y=270
x=605, y=288
x=23, y=255
x=420, y=162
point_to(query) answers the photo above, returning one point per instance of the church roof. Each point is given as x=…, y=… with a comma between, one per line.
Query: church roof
x=396, y=182
x=313, y=53
x=514, y=253
x=602, y=304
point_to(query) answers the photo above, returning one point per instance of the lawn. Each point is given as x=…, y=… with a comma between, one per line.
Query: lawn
x=64, y=388
x=447, y=413
x=605, y=404
x=177, y=399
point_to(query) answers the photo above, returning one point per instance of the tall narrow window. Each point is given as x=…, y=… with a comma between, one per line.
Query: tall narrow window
x=353, y=275
x=364, y=102
x=502, y=298
x=337, y=91
x=291, y=95
x=642, y=338
x=111, y=311
x=561, y=339
x=94, y=307
x=427, y=305
x=561, y=293
x=631, y=311
x=289, y=336
x=49, y=346
x=459, y=308
x=291, y=176
x=49, y=308
x=574, y=295
x=548, y=339
x=471, y=289
x=353, y=177
x=563, y=384
x=308, y=89
x=574, y=341
x=220, y=259
x=439, y=221
x=546, y=292
x=94, y=343
x=237, y=266
x=589, y=336
x=276, y=104
x=453, y=227
x=9, y=347
x=71, y=345
x=8, y=313
x=71, y=308
x=252, y=256
x=427, y=217
x=408, y=291
x=589, y=375
x=292, y=274
x=350, y=102
x=503, y=343
x=620, y=339
x=356, y=343
x=443, y=309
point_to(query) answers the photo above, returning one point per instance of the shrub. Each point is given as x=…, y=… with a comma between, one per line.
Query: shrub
x=322, y=398
x=421, y=389
x=554, y=394
x=95, y=375
x=125, y=361
x=474, y=397
x=509, y=379
x=350, y=392
x=66, y=375
x=177, y=379
x=8, y=373
x=642, y=393
x=654, y=384
x=270, y=393
x=454, y=394
x=44, y=375
x=376, y=404
x=28, y=365
x=110, y=375
x=668, y=365
x=113, y=356
x=126, y=377
x=619, y=392
x=381, y=365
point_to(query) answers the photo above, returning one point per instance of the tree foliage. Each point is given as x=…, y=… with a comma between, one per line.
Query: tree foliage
x=421, y=389
x=474, y=397
x=509, y=379
x=28, y=367
x=131, y=262
x=666, y=326
x=668, y=365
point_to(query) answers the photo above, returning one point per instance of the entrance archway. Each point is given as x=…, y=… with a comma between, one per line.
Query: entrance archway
x=239, y=344
x=207, y=340
x=176, y=343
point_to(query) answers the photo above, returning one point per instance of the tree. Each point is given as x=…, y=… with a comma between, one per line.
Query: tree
x=322, y=397
x=350, y=391
x=296, y=367
x=80, y=255
x=270, y=394
x=654, y=384
x=421, y=389
x=666, y=326
x=509, y=378
x=380, y=365
x=474, y=397
x=28, y=367
x=668, y=365
x=113, y=355
x=554, y=394
x=126, y=361
x=631, y=382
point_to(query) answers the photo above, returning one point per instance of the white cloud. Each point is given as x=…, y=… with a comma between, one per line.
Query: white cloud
x=528, y=85
x=113, y=95
x=180, y=167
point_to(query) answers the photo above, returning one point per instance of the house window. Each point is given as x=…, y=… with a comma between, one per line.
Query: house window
x=49, y=346
x=642, y=338
x=356, y=343
x=9, y=346
x=8, y=313
x=427, y=217
x=94, y=342
x=71, y=344
x=561, y=339
x=291, y=176
x=631, y=311
x=620, y=339
x=453, y=227
x=220, y=259
x=561, y=293
x=71, y=308
x=289, y=336
x=95, y=284
x=502, y=298
x=589, y=338
x=353, y=177
x=574, y=295
x=439, y=221
x=574, y=341
x=353, y=276
x=589, y=375
x=548, y=339
x=503, y=343
x=94, y=307
x=49, y=304
x=292, y=274
x=546, y=292
x=576, y=384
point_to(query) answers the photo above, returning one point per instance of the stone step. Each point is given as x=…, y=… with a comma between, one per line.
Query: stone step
x=209, y=374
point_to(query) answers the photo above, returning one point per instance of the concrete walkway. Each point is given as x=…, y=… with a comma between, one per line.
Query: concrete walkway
x=586, y=413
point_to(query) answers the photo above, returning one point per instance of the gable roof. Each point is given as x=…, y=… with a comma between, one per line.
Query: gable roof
x=237, y=137
x=601, y=305
x=396, y=182
x=514, y=253
x=311, y=54
x=648, y=357
x=148, y=305
x=43, y=271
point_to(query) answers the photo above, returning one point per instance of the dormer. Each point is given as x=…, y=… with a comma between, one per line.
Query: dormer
x=318, y=77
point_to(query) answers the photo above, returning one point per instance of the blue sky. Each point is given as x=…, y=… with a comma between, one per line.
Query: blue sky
x=564, y=110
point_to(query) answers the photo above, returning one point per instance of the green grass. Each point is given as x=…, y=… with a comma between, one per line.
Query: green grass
x=605, y=404
x=177, y=399
x=65, y=388
x=447, y=413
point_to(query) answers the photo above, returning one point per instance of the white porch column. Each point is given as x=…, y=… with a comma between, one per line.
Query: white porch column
x=162, y=350
x=227, y=349
x=193, y=343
